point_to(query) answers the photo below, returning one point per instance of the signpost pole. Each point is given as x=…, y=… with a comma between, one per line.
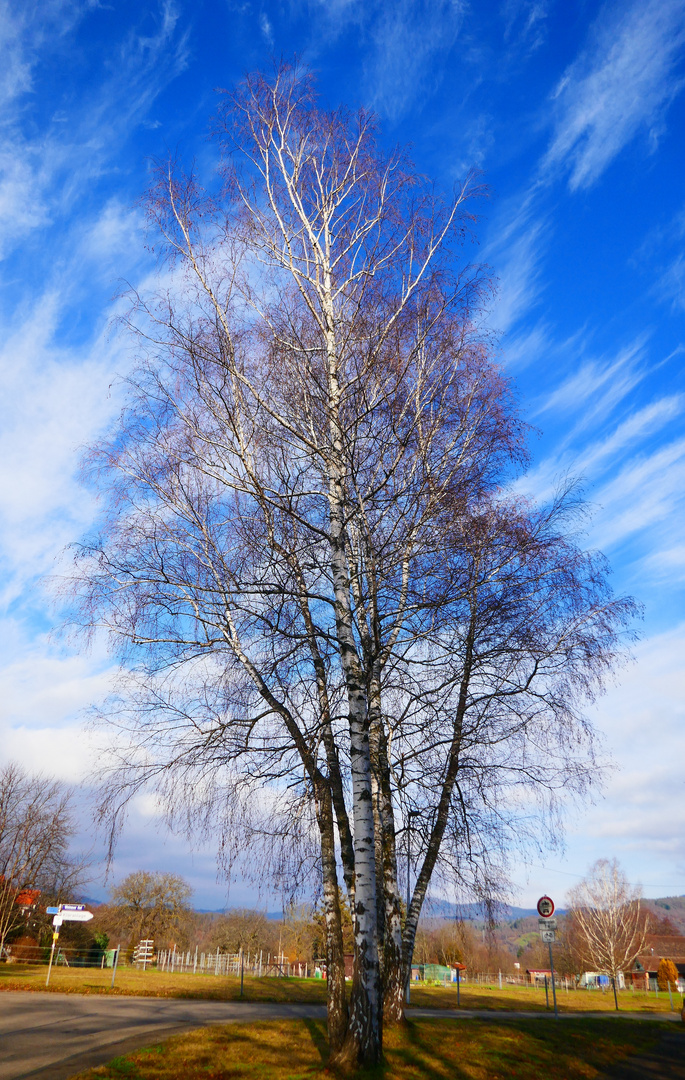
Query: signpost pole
x=554, y=992
x=55, y=935
x=458, y=981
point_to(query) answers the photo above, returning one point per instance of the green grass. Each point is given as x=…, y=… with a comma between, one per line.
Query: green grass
x=578, y=1049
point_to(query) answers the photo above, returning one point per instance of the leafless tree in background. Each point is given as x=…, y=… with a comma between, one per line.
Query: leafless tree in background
x=243, y=929
x=151, y=905
x=329, y=613
x=36, y=827
x=605, y=910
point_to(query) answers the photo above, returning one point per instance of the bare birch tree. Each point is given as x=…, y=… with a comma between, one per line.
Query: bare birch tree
x=606, y=912
x=328, y=613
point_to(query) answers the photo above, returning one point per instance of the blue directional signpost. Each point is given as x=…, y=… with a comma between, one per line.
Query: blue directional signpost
x=65, y=913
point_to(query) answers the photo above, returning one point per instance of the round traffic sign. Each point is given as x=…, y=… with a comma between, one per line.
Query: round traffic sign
x=545, y=906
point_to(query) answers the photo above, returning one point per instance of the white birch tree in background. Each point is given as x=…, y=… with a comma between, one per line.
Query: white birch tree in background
x=609, y=923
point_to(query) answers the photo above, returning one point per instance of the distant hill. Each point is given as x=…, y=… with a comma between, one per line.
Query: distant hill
x=671, y=908
x=445, y=909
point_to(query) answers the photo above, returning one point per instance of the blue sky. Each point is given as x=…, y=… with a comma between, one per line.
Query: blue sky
x=575, y=113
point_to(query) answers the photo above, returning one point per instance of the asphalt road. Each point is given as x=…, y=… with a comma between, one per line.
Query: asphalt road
x=52, y=1036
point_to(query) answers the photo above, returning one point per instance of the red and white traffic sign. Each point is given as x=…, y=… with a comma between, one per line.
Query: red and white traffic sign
x=545, y=907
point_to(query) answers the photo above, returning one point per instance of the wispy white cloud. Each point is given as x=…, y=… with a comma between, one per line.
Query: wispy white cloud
x=622, y=82
x=526, y=346
x=633, y=469
x=671, y=284
x=596, y=386
x=266, y=29
x=403, y=45
x=517, y=244
x=411, y=38
x=52, y=402
x=649, y=489
x=525, y=23
x=43, y=175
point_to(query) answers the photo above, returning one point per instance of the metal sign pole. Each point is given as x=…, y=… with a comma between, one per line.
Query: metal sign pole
x=458, y=981
x=55, y=935
x=554, y=992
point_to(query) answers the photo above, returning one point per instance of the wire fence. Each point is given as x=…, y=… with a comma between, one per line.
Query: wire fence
x=65, y=956
x=172, y=961
x=258, y=965
x=218, y=963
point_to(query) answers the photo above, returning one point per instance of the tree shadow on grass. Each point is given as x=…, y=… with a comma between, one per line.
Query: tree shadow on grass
x=318, y=1035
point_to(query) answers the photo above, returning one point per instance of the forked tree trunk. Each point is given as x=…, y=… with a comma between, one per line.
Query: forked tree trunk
x=363, y=1044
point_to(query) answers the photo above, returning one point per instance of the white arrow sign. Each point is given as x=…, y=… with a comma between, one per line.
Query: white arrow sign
x=72, y=916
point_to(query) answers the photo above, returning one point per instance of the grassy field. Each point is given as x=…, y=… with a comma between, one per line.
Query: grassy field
x=153, y=983
x=532, y=998
x=423, y=1050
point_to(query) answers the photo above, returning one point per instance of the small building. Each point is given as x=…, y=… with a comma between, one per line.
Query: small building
x=657, y=947
x=538, y=975
x=440, y=973
x=600, y=980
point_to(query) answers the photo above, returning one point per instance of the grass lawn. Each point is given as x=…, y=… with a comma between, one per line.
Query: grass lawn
x=153, y=983
x=432, y=1049
x=532, y=998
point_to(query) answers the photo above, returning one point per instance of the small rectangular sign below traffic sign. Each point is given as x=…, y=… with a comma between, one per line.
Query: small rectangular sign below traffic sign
x=548, y=936
x=547, y=924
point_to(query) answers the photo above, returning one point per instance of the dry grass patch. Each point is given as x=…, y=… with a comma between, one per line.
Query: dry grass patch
x=153, y=983
x=532, y=999
x=424, y=1050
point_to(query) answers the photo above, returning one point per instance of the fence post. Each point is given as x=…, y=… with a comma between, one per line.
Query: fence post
x=241, y=971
